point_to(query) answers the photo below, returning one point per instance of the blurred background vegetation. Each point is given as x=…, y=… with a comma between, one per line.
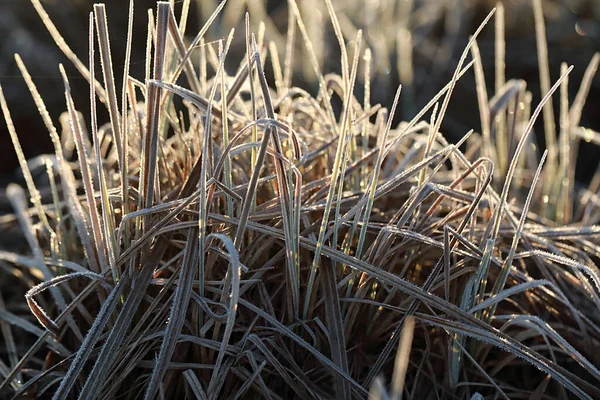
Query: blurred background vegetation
x=414, y=42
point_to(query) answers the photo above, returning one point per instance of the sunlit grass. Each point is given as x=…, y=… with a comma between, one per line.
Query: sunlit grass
x=227, y=236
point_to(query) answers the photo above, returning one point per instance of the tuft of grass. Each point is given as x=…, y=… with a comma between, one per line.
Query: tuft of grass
x=223, y=236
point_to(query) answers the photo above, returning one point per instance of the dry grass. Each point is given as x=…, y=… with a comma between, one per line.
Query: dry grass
x=227, y=238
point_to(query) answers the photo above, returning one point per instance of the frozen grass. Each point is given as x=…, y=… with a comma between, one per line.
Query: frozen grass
x=227, y=238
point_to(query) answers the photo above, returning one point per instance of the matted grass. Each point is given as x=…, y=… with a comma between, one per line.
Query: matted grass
x=223, y=237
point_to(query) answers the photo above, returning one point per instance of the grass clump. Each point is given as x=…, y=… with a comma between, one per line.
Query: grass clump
x=220, y=237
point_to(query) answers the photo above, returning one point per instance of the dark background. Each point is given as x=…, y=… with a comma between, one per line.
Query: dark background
x=573, y=30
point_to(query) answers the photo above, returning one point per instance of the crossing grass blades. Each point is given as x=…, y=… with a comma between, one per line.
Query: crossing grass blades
x=223, y=236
